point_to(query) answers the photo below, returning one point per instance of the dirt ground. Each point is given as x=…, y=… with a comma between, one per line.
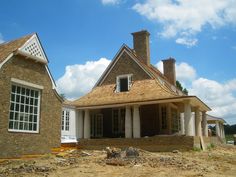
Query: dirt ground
x=218, y=161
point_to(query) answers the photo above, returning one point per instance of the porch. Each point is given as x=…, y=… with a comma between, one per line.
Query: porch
x=146, y=119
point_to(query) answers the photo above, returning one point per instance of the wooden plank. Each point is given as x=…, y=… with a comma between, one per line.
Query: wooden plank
x=202, y=143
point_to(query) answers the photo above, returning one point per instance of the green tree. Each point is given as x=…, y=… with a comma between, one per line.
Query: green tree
x=180, y=87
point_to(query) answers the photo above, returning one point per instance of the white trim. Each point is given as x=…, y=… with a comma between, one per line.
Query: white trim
x=38, y=114
x=113, y=63
x=51, y=78
x=24, y=131
x=6, y=60
x=32, y=57
x=129, y=80
x=25, y=83
x=34, y=36
x=131, y=104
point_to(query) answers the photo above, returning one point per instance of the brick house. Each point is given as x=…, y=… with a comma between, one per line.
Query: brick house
x=133, y=99
x=29, y=104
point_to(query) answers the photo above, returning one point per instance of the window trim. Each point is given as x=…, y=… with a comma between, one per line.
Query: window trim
x=64, y=114
x=15, y=83
x=129, y=80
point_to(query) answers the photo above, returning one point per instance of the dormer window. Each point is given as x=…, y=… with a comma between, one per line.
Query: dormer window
x=123, y=83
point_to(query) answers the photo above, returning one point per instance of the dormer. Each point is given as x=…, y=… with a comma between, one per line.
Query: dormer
x=123, y=83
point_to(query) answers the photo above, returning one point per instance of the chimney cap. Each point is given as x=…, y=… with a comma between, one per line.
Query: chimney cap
x=169, y=59
x=141, y=32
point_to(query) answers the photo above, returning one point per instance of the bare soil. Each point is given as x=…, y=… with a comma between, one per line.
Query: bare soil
x=216, y=162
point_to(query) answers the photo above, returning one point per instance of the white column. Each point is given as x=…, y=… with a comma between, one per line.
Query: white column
x=128, y=122
x=217, y=129
x=188, y=119
x=223, y=131
x=86, y=124
x=198, y=129
x=136, y=122
x=182, y=123
x=80, y=124
x=204, y=124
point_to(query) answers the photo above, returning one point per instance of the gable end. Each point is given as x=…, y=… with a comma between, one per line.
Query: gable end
x=123, y=63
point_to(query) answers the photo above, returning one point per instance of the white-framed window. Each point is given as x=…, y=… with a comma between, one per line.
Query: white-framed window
x=96, y=125
x=123, y=83
x=163, y=117
x=24, y=109
x=175, y=120
x=65, y=120
x=118, y=121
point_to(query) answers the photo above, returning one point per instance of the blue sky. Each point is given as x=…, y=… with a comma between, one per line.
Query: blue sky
x=80, y=38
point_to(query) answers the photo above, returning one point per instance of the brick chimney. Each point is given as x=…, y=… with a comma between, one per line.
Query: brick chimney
x=169, y=70
x=141, y=45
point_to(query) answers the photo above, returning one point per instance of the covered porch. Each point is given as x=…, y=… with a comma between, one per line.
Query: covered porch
x=175, y=116
x=219, y=126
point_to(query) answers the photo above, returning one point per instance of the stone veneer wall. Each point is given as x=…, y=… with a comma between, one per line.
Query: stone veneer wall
x=13, y=144
x=125, y=65
x=154, y=144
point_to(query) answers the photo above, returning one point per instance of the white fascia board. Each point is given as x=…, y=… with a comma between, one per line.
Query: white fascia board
x=6, y=60
x=25, y=83
x=51, y=78
x=34, y=58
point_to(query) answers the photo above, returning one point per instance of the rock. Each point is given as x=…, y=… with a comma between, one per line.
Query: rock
x=175, y=151
x=113, y=152
x=131, y=152
x=84, y=154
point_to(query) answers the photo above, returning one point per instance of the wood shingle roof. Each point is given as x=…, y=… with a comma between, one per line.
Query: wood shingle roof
x=155, y=88
x=7, y=48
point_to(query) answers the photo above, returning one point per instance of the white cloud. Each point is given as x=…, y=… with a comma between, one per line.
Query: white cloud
x=1, y=38
x=186, y=41
x=219, y=96
x=110, y=2
x=80, y=78
x=186, y=18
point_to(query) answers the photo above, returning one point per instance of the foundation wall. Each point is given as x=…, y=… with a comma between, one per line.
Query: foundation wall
x=154, y=144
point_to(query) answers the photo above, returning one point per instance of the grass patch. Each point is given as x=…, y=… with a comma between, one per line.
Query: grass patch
x=211, y=146
x=196, y=149
x=229, y=137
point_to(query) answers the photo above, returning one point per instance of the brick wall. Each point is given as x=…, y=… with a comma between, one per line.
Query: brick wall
x=155, y=144
x=125, y=65
x=15, y=144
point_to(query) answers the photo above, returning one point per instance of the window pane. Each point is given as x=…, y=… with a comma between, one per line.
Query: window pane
x=27, y=92
x=13, y=89
x=23, y=91
x=21, y=126
x=12, y=107
x=23, y=109
x=30, y=126
x=17, y=107
x=26, y=126
x=35, y=127
x=123, y=84
x=12, y=97
x=11, y=124
x=11, y=115
x=22, y=100
x=18, y=98
x=18, y=89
